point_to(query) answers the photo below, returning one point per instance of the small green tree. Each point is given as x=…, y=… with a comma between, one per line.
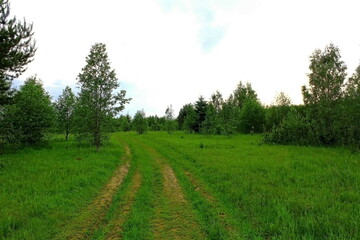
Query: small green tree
x=17, y=49
x=97, y=105
x=200, y=109
x=65, y=106
x=139, y=123
x=31, y=116
x=211, y=123
x=170, y=123
x=252, y=117
x=190, y=121
x=228, y=117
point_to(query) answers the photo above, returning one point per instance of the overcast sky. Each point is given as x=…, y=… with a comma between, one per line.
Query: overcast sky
x=172, y=51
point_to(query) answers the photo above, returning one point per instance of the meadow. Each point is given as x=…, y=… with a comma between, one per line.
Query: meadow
x=179, y=186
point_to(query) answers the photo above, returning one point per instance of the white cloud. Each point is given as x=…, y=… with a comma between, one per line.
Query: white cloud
x=170, y=52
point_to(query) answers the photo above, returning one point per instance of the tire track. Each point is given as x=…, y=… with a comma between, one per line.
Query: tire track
x=174, y=217
x=83, y=226
x=215, y=204
x=116, y=225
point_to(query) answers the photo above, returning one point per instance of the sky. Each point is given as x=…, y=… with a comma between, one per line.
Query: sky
x=172, y=51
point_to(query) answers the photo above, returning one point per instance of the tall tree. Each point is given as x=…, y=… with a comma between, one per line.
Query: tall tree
x=97, y=104
x=325, y=91
x=327, y=76
x=17, y=49
x=65, y=106
x=29, y=119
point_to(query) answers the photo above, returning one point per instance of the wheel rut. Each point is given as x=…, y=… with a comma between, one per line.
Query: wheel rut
x=83, y=226
x=174, y=217
x=116, y=225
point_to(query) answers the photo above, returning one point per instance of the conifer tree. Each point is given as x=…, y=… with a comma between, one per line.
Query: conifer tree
x=17, y=49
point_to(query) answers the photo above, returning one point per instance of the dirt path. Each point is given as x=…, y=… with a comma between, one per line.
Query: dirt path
x=90, y=218
x=174, y=216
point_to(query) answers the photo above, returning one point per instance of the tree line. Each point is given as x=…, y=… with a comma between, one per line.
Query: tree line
x=328, y=117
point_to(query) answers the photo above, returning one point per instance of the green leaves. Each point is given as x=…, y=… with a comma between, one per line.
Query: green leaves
x=97, y=104
x=65, y=107
x=139, y=122
x=31, y=116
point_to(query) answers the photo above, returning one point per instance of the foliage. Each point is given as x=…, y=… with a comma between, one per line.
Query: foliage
x=329, y=110
x=276, y=113
x=156, y=123
x=170, y=124
x=324, y=93
x=294, y=129
x=187, y=118
x=228, y=117
x=139, y=123
x=200, y=109
x=124, y=122
x=191, y=119
x=96, y=104
x=17, y=49
x=65, y=106
x=243, y=93
x=252, y=117
x=31, y=116
x=349, y=129
x=211, y=122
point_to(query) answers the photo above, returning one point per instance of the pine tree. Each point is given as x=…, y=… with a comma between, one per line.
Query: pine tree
x=97, y=105
x=17, y=49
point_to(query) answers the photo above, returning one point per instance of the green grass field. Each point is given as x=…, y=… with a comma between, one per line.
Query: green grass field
x=180, y=186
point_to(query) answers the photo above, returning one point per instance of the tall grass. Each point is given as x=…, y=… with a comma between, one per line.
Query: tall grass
x=41, y=189
x=274, y=192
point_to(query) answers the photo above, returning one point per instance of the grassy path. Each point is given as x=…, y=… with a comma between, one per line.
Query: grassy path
x=150, y=197
x=174, y=217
